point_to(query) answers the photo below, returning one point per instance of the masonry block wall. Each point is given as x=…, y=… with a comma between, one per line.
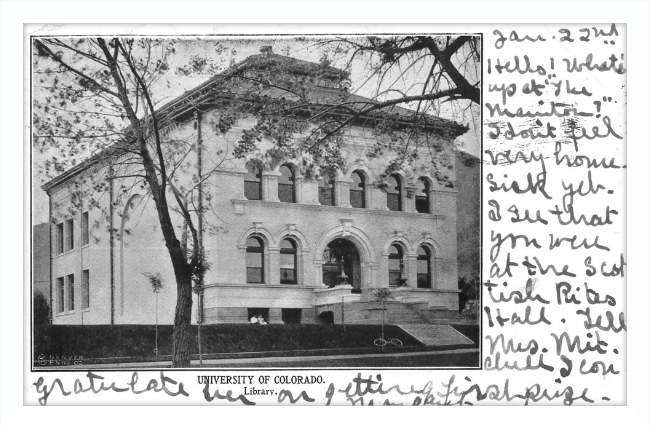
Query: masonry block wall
x=113, y=274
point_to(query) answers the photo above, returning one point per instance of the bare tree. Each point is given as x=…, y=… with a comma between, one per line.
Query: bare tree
x=103, y=100
x=98, y=98
x=409, y=82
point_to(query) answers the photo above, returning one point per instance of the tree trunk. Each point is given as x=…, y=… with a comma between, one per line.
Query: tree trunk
x=157, y=180
x=181, y=338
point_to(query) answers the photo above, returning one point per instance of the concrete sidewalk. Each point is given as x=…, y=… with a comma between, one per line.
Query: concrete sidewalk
x=218, y=363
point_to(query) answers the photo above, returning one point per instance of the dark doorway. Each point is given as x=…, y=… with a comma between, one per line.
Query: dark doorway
x=326, y=317
x=291, y=316
x=256, y=313
x=342, y=265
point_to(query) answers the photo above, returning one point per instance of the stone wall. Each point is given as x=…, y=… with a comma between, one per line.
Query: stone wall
x=138, y=248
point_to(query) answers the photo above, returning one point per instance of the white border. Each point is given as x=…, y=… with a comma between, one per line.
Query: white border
x=15, y=14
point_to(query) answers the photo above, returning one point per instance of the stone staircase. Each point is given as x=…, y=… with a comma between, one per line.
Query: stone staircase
x=436, y=335
x=398, y=313
x=429, y=325
x=434, y=315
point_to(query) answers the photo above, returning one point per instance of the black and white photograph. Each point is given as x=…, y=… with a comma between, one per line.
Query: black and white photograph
x=255, y=201
x=294, y=213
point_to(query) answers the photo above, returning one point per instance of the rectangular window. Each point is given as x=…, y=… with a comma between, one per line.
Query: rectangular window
x=258, y=315
x=59, y=239
x=70, y=284
x=393, y=277
x=356, y=199
x=424, y=277
x=254, y=268
x=291, y=316
x=60, y=294
x=85, y=238
x=325, y=196
x=393, y=202
x=422, y=204
x=288, y=276
x=394, y=272
x=423, y=281
x=69, y=234
x=285, y=193
x=85, y=290
x=288, y=268
x=252, y=190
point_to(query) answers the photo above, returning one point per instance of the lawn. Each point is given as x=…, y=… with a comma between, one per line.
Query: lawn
x=470, y=331
x=458, y=359
x=105, y=341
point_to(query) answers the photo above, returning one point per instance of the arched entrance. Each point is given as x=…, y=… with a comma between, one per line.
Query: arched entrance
x=342, y=264
x=326, y=317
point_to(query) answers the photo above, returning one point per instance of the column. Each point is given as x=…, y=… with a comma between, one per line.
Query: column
x=275, y=316
x=432, y=201
x=299, y=181
x=270, y=186
x=435, y=270
x=309, y=191
x=342, y=193
x=274, y=266
x=408, y=199
x=308, y=316
x=411, y=270
x=370, y=280
x=376, y=198
x=318, y=274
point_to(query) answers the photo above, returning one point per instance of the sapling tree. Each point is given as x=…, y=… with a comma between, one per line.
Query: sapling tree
x=102, y=100
x=383, y=295
x=156, y=283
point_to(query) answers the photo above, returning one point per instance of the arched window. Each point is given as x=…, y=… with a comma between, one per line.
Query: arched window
x=326, y=190
x=396, y=266
x=253, y=182
x=288, y=275
x=422, y=196
x=286, y=184
x=358, y=190
x=254, y=260
x=424, y=268
x=394, y=193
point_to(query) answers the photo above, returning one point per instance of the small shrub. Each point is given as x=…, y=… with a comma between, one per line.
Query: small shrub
x=103, y=341
x=41, y=309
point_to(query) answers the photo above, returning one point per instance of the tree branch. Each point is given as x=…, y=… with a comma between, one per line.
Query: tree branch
x=44, y=50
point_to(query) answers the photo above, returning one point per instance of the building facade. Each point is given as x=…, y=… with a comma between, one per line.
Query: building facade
x=281, y=242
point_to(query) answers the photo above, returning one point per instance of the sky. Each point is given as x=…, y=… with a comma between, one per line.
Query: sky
x=224, y=51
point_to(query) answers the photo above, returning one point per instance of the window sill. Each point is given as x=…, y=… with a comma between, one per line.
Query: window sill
x=425, y=290
x=259, y=285
x=67, y=252
x=340, y=209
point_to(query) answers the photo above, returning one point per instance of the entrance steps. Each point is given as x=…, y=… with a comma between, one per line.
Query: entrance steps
x=436, y=335
x=398, y=313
